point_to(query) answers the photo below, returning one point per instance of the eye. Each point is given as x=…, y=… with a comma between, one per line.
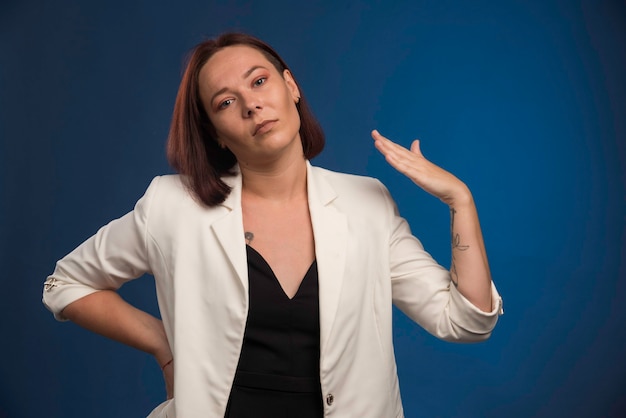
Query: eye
x=225, y=104
x=260, y=81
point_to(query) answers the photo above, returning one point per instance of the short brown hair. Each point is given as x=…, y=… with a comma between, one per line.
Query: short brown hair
x=192, y=148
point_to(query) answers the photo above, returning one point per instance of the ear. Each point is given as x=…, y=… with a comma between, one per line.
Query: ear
x=291, y=84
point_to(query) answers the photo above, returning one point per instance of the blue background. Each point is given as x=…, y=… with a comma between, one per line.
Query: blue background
x=523, y=100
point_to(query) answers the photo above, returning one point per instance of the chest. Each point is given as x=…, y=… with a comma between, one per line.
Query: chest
x=283, y=235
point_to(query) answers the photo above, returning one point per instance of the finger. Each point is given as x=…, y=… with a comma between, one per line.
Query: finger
x=378, y=137
x=415, y=148
x=385, y=145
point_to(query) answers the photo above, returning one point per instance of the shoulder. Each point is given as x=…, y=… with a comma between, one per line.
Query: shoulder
x=352, y=190
x=352, y=182
x=166, y=193
x=351, y=185
x=166, y=187
x=168, y=183
x=169, y=205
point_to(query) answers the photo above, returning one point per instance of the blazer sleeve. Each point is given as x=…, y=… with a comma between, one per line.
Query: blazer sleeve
x=421, y=288
x=116, y=254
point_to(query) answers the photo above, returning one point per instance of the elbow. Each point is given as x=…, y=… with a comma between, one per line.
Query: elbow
x=59, y=295
x=456, y=334
x=470, y=326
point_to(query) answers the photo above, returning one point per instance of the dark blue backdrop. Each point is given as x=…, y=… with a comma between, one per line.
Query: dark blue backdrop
x=524, y=100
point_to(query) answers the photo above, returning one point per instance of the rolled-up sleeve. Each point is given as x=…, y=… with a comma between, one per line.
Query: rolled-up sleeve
x=116, y=254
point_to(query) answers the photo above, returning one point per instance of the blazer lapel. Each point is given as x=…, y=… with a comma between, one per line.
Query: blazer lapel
x=330, y=230
x=229, y=231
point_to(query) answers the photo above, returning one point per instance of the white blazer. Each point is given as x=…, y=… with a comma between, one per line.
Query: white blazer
x=367, y=258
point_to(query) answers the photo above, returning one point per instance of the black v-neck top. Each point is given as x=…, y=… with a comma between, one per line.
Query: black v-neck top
x=278, y=370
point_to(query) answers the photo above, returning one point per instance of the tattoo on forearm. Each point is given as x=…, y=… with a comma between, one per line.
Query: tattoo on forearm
x=456, y=245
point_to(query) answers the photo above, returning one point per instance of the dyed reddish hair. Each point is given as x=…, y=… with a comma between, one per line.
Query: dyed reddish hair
x=192, y=148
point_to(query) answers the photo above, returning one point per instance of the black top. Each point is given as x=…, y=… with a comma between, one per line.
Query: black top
x=278, y=370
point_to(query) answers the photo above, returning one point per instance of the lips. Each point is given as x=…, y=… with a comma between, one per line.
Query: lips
x=263, y=127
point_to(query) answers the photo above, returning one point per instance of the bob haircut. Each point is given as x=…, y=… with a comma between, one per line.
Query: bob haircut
x=192, y=148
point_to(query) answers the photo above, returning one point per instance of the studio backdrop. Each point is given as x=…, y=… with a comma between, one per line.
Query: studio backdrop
x=525, y=101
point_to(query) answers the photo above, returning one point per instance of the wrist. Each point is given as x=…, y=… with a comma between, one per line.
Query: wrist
x=163, y=355
x=162, y=352
x=461, y=198
x=167, y=363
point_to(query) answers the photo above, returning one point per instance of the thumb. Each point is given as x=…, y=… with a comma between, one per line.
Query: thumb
x=415, y=148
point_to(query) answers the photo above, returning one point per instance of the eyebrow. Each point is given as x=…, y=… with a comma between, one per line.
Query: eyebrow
x=245, y=75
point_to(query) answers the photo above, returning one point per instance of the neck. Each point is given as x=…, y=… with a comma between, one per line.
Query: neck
x=279, y=183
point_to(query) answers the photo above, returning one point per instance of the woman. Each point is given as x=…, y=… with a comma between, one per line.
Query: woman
x=275, y=279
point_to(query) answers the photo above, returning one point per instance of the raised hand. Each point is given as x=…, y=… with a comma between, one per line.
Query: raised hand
x=430, y=177
x=469, y=269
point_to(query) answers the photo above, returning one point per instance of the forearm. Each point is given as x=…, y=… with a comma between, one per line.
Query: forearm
x=469, y=266
x=107, y=314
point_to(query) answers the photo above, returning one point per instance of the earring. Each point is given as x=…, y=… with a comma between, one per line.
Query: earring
x=297, y=100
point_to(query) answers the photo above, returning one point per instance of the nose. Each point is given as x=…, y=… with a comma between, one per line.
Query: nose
x=251, y=110
x=251, y=105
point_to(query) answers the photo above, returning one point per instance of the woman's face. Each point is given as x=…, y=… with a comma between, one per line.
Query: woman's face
x=251, y=105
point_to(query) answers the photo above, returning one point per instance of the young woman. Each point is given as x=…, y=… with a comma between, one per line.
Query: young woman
x=275, y=279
